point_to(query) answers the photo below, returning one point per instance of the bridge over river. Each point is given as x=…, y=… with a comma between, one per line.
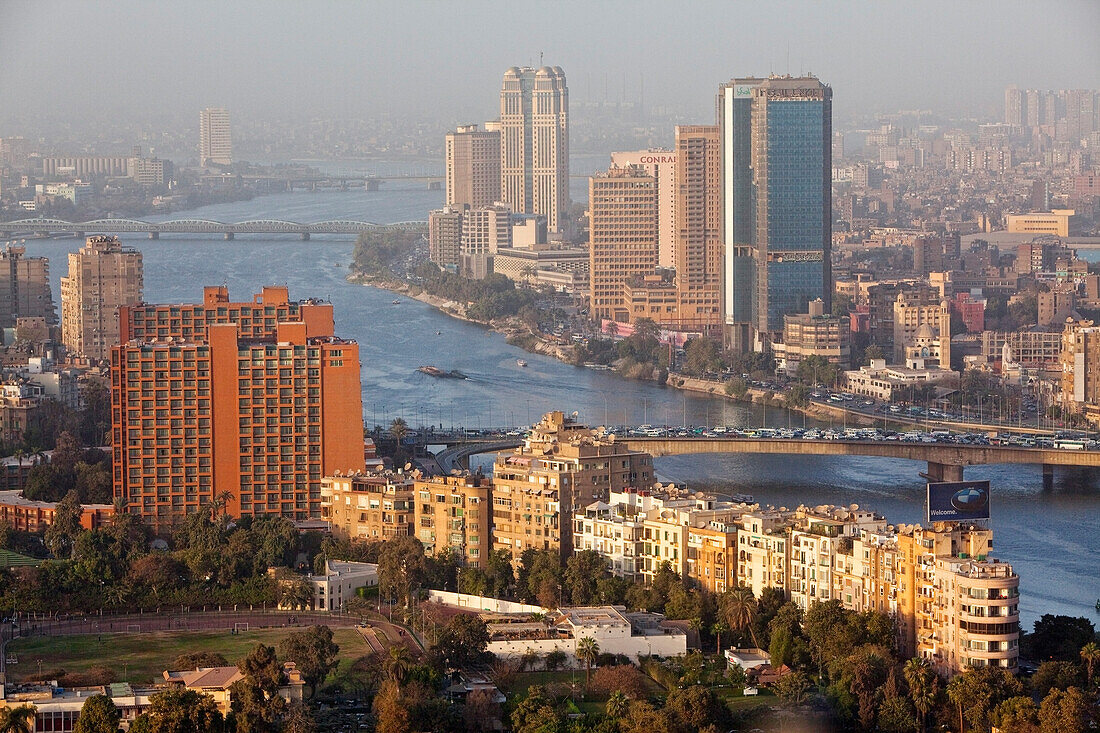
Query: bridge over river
x=43, y=226
x=946, y=461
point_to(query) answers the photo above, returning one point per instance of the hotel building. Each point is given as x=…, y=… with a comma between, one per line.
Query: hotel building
x=215, y=142
x=473, y=167
x=253, y=401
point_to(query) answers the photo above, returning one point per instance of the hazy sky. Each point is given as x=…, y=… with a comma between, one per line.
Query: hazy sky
x=445, y=59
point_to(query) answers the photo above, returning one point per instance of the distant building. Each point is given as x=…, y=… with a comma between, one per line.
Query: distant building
x=534, y=143
x=661, y=164
x=622, y=215
x=27, y=515
x=103, y=275
x=84, y=166
x=375, y=505
x=473, y=167
x=485, y=231
x=814, y=334
x=1080, y=394
x=910, y=316
x=445, y=237
x=24, y=287
x=339, y=583
x=1054, y=222
x=215, y=141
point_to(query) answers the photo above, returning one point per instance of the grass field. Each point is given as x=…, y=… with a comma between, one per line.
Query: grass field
x=140, y=658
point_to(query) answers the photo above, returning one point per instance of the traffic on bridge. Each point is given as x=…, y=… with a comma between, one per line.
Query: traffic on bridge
x=45, y=226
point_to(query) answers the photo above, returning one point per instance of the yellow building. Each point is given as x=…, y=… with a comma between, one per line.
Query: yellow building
x=1054, y=222
x=453, y=513
x=762, y=550
x=368, y=505
x=1080, y=363
x=712, y=556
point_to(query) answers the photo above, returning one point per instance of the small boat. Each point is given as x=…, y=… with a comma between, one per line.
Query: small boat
x=434, y=371
x=438, y=333
x=521, y=362
x=1098, y=604
x=395, y=301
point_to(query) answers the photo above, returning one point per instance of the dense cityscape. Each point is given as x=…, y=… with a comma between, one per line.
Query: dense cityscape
x=562, y=416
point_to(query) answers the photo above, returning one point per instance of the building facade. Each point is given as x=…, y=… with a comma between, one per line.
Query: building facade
x=454, y=513
x=623, y=226
x=473, y=167
x=215, y=141
x=534, y=143
x=661, y=164
x=103, y=276
x=368, y=506
x=24, y=287
x=250, y=403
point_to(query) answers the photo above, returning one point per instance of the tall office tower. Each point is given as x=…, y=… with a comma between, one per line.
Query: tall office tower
x=215, y=143
x=622, y=227
x=24, y=287
x=247, y=402
x=103, y=275
x=473, y=167
x=1015, y=106
x=738, y=230
x=1033, y=104
x=698, y=220
x=661, y=164
x=534, y=143
x=789, y=196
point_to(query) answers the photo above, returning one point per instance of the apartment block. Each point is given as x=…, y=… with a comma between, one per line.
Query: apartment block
x=445, y=237
x=215, y=140
x=623, y=231
x=814, y=334
x=453, y=513
x=371, y=506
x=251, y=401
x=1080, y=360
x=24, y=287
x=473, y=167
x=103, y=276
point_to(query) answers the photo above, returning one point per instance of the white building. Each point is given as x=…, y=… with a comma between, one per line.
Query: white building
x=340, y=583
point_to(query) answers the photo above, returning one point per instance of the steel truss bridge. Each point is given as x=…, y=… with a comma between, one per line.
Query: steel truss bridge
x=43, y=226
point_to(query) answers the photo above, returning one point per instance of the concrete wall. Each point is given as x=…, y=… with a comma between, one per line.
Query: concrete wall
x=481, y=603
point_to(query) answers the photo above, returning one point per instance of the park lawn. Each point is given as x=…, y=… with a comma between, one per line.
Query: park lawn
x=141, y=658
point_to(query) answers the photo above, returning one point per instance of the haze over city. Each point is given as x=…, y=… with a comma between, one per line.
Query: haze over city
x=440, y=61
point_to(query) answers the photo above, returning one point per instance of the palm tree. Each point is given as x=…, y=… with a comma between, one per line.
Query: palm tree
x=958, y=693
x=17, y=720
x=398, y=663
x=739, y=609
x=617, y=705
x=718, y=628
x=587, y=650
x=1090, y=653
x=923, y=686
x=399, y=429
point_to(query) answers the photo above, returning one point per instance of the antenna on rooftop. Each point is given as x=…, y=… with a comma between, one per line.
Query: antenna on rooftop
x=540, y=59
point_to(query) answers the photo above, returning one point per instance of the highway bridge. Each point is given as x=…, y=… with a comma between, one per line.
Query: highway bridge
x=946, y=461
x=42, y=226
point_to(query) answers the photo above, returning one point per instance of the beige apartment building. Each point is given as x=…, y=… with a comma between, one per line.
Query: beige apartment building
x=473, y=167
x=909, y=317
x=623, y=231
x=215, y=141
x=561, y=468
x=24, y=287
x=369, y=506
x=445, y=237
x=485, y=231
x=103, y=275
x=454, y=513
x=534, y=143
x=814, y=334
x=1080, y=361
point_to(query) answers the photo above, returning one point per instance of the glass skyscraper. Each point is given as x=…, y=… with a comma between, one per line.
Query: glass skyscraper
x=777, y=162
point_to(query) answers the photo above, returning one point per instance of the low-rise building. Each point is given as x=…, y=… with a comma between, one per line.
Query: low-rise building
x=454, y=513
x=339, y=583
x=28, y=515
x=881, y=382
x=369, y=505
x=814, y=334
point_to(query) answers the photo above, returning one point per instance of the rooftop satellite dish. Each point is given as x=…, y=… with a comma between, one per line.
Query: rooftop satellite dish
x=408, y=466
x=855, y=507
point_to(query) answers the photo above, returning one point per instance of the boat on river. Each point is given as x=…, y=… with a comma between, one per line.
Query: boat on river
x=521, y=362
x=434, y=371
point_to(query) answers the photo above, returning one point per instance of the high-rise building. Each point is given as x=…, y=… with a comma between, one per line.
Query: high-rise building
x=247, y=403
x=473, y=167
x=777, y=163
x=661, y=164
x=103, y=275
x=622, y=228
x=215, y=142
x=698, y=221
x=534, y=143
x=1080, y=364
x=445, y=236
x=1015, y=106
x=485, y=230
x=24, y=287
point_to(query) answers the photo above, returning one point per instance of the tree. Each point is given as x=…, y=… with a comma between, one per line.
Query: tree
x=462, y=641
x=1090, y=655
x=923, y=687
x=391, y=715
x=18, y=719
x=583, y=570
x=479, y=710
x=793, y=688
x=1055, y=675
x=555, y=658
x=295, y=593
x=176, y=710
x=194, y=660
x=299, y=720
x=617, y=706
x=399, y=429
x=872, y=352
x=1058, y=637
x=98, y=714
x=696, y=707
x=895, y=715
x=718, y=628
x=535, y=714
x=977, y=691
x=61, y=535
x=587, y=651
x=400, y=567
x=398, y=661
x=1062, y=712
x=313, y=651
x=157, y=571
x=1017, y=715
x=738, y=608
x=262, y=669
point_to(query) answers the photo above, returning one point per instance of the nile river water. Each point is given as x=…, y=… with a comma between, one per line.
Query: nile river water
x=1052, y=538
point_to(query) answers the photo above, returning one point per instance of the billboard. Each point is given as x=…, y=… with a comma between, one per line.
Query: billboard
x=958, y=501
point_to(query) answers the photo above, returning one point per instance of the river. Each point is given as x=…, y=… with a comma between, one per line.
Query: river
x=1052, y=538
